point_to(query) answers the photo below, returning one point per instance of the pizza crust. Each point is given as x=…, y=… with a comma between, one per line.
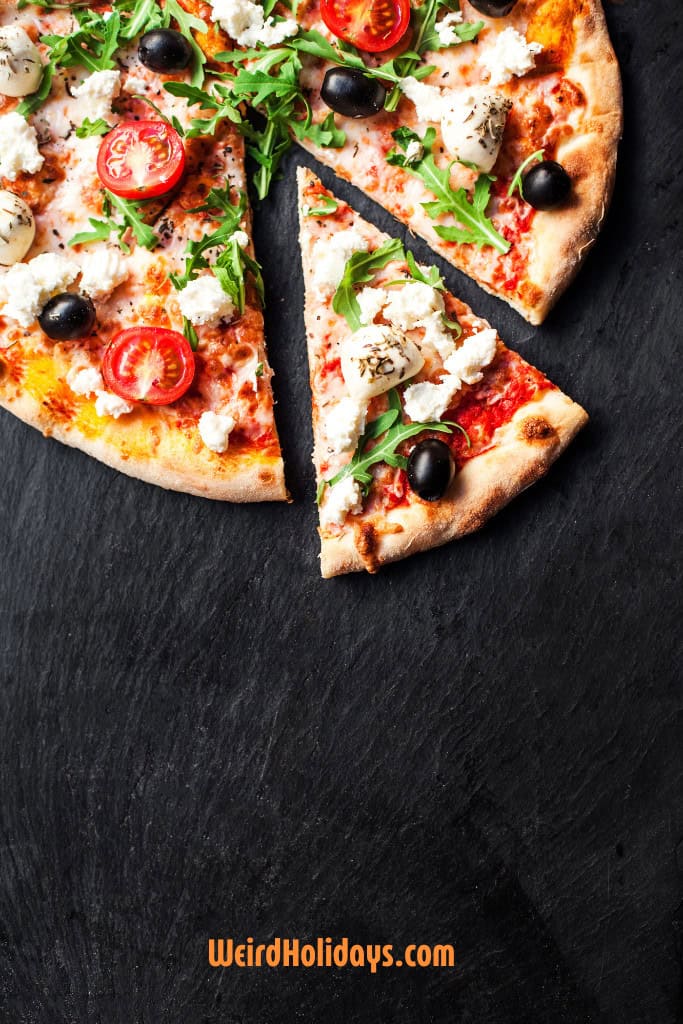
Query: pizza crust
x=525, y=449
x=172, y=465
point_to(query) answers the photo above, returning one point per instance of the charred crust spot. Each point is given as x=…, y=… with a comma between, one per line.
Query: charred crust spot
x=266, y=476
x=536, y=428
x=366, y=544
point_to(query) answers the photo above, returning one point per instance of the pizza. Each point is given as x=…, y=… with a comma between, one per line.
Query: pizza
x=488, y=128
x=130, y=299
x=425, y=424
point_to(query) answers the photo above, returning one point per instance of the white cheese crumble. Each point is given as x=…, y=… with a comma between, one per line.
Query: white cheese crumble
x=84, y=380
x=19, y=151
x=215, y=429
x=244, y=22
x=26, y=287
x=414, y=152
x=426, y=401
x=428, y=99
x=96, y=94
x=510, y=55
x=412, y=306
x=376, y=358
x=17, y=228
x=109, y=404
x=344, y=423
x=339, y=500
x=21, y=68
x=242, y=238
x=371, y=302
x=105, y=269
x=203, y=301
x=135, y=85
x=472, y=126
x=330, y=256
x=476, y=352
x=445, y=29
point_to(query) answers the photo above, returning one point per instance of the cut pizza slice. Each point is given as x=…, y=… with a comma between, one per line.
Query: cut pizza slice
x=493, y=137
x=425, y=424
x=130, y=298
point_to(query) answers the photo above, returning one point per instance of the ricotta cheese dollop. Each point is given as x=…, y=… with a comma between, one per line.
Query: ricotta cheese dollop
x=17, y=228
x=19, y=151
x=339, y=500
x=203, y=302
x=215, y=429
x=84, y=380
x=344, y=423
x=96, y=94
x=510, y=55
x=109, y=404
x=21, y=68
x=244, y=22
x=104, y=270
x=426, y=401
x=26, y=287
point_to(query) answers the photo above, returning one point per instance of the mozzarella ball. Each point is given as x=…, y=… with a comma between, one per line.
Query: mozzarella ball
x=17, y=228
x=21, y=68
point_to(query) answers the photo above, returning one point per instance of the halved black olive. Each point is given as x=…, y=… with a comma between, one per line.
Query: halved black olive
x=347, y=91
x=68, y=316
x=430, y=469
x=164, y=50
x=492, y=9
x=546, y=185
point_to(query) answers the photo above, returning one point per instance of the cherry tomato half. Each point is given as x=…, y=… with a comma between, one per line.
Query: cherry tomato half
x=148, y=364
x=141, y=159
x=370, y=25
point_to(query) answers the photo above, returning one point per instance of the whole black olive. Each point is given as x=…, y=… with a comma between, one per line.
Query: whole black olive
x=67, y=316
x=164, y=50
x=546, y=185
x=347, y=91
x=492, y=9
x=430, y=469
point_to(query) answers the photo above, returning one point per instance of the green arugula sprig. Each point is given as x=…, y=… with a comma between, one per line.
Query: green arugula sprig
x=325, y=205
x=473, y=227
x=390, y=424
x=516, y=182
x=89, y=128
x=232, y=263
x=96, y=38
x=131, y=216
x=361, y=268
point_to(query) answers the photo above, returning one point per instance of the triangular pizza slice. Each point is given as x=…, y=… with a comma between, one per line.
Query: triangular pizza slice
x=425, y=424
x=130, y=299
x=492, y=135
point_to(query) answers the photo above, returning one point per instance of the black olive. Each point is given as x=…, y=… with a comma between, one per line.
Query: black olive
x=165, y=50
x=349, y=92
x=430, y=469
x=492, y=9
x=546, y=185
x=68, y=316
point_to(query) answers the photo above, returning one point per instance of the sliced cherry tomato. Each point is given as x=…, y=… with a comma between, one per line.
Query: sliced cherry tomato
x=370, y=25
x=141, y=159
x=148, y=364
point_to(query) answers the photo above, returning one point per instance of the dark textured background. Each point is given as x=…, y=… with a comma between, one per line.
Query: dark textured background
x=481, y=745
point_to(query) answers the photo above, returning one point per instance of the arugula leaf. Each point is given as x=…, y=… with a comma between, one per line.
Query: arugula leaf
x=131, y=214
x=186, y=24
x=190, y=334
x=31, y=103
x=430, y=276
x=385, y=450
x=324, y=134
x=145, y=16
x=88, y=128
x=326, y=206
x=475, y=227
x=360, y=268
x=219, y=101
x=516, y=182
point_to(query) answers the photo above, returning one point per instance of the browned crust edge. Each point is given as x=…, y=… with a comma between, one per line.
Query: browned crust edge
x=259, y=480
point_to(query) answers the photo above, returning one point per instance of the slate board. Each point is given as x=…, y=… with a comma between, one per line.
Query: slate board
x=482, y=745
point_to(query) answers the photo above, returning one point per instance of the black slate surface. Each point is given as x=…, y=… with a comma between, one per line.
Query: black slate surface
x=482, y=745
